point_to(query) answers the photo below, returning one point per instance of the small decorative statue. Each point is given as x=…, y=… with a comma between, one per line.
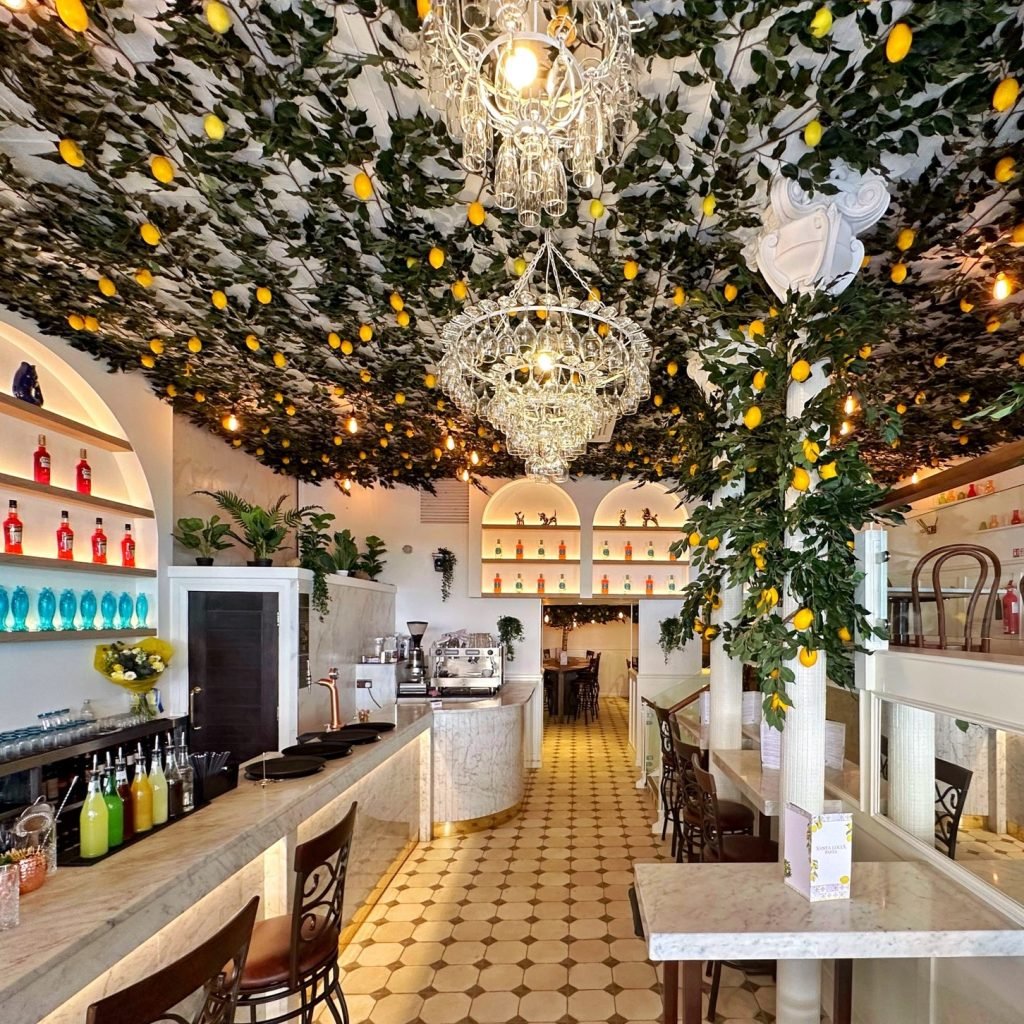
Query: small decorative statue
x=649, y=518
x=520, y=519
x=26, y=385
x=622, y=517
x=547, y=520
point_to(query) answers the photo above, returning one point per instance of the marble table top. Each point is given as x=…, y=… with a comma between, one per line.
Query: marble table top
x=745, y=911
x=1003, y=874
x=76, y=913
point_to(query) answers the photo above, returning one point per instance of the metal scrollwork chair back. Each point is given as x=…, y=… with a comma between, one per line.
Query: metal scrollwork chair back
x=215, y=967
x=951, y=785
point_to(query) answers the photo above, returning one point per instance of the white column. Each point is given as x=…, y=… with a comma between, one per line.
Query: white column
x=912, y=771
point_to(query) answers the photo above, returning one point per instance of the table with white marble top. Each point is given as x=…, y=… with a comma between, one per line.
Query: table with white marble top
x=696, y=912
x=1002, y=873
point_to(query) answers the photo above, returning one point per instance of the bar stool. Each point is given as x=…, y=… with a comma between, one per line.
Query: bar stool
x=729, y=849
x=297, y=954
x=734, y=818
x=669, y=775
x=215, y=967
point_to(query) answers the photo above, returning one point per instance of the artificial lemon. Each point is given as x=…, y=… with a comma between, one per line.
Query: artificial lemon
x=219, y=299
x=75, y=322
x=672, y=369
x=708, y=204
x=694, y=539
x=362, y=186
x=72, y=13
x=214, y=127
x=760, y=380
x=334, y=340
x=162, y=169
x=777, y=704
x=713, y=543
x=596, y=209
x=801, y=479
x=150, y=233
x=1017, y=235
x=143, y=278
x=864, y=351
x=630, y=269
x=263, y=295
x=252, y=343
x=92, y=324
x=901, y=408
x=658, y=400
x=147, y=361
x=678, y=296
x=828, y=471
x=752, y=417
x=422, y=8
x=399, y=398
x=365, y=332
x=280, y=360
x=898, y=42
x=812, y=133
x=71, y=153
x=396, y=302
x=1005, y=94
x=992, y=324
x=519, y=266
x=821, y=23
x=365, y=376
x=459, y=290
x=1005, y=169
x=769, y=599
x=172, y=391
x=107, y=287
x=803, y=618
x=429, y=380
x=194, y=344
x=940, y=360
x=898, y=274
x=757, y=328
x=800, y=371
x=966, y=306
x=811, y=450
x=905, y=239
x=844, y=634
x=964, y=397
x=730, y=291
x=156, y=346
x=218, y=17
x=402, y=318
x=436, y=258
x=808, y=658
x=475, y=213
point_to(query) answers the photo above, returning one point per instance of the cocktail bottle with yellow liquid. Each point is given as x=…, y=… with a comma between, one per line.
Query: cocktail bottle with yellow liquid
x=158, y=785
x=142, y=795
x=92, y=820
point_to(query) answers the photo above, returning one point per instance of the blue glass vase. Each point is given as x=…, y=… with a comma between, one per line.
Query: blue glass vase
x=19, y=609
x=108, y=609
x=125, y=608
x=87, y=607
x=68, y=607
x=5, y=605
x=46, y=608
x=141, y=610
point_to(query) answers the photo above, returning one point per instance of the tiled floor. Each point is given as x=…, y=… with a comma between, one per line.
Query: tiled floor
x=976, y=842
x=530, y=922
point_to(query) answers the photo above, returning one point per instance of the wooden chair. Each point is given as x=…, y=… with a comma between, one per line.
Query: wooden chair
x=987, y=562
x=297, y=954
x=587, y=693
x=951, y=785
x=215, y=967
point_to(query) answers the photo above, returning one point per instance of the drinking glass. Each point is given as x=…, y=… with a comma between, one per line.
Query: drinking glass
x=10, y=890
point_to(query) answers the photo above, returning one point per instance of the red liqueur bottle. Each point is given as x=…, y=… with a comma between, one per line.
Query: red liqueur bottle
x=41, y=462
x=12, y=530
x=83, y=473
x=128, y=547
x=65, y=539
x=99, y=544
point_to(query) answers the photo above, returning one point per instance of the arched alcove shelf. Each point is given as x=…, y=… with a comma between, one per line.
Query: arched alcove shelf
x=522, y=553
x=631, y=559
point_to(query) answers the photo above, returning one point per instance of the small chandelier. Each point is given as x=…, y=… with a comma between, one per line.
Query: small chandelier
x=548, y=364
x=554, y=81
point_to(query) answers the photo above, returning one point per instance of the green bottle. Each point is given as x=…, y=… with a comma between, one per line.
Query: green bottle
x=115, y=807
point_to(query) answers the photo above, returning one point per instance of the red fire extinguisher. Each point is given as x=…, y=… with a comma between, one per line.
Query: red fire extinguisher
x=1011, y=610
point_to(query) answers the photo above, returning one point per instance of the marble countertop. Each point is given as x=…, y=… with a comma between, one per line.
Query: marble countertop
x=80, y=911
x=1003, y=874
x=745, y=911
x=510, y=695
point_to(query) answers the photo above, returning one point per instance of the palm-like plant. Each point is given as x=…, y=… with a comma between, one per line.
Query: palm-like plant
x=261, y=530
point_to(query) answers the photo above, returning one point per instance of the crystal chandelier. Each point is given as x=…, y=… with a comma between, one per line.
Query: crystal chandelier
x=548, y=364
x=553, y=81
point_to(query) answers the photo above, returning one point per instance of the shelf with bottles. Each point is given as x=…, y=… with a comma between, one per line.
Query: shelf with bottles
x=9, y=483
x=46, y=420
x=645, y=551
x=531, y=585
x=638, y=561
x=547, y=560
x=44, y=615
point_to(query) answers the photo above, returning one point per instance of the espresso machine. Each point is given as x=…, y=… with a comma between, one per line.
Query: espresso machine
x=413, y=677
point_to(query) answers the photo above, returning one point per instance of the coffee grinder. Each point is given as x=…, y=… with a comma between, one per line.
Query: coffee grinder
x=415, y=675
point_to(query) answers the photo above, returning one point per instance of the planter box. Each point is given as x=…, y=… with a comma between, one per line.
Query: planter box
x=819, y=852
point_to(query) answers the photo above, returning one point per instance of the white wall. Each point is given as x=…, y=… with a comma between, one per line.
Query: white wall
x=616, y=641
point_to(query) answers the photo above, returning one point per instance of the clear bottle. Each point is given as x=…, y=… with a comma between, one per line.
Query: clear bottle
x=650, y=549
x=627, y=584
x=142, y=795
x=83, y=473
x=174, y=786
x=92, y=822
x=541, y=553
x=115, y=807
x=99, y=544
x=561, y=581
x=188, y=799
x=13, y=530
x=606, y=551
x=65, y=538
x=497, y=549
x=128, y=547
x=41, y=462
x=158, y=785
x=672, y=584
x=519, y=582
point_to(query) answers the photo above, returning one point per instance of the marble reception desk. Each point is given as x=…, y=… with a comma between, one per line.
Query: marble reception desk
x=92, y=930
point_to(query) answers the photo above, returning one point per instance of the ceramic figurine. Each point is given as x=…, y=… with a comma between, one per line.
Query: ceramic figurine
x=622, y=517
x=649, y=518
x=26, y=385
x=990, y=487
x=520, y=519
x=547, y=520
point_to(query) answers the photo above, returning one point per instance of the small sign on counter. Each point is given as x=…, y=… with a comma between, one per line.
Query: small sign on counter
x=819, y=851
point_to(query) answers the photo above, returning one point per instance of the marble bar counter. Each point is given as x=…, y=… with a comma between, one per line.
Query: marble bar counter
x=482, y=749
x=93, y=930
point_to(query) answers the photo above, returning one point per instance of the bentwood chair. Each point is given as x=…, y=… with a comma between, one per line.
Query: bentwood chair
x=295, y=956
x=215, y=967
x=951, y=785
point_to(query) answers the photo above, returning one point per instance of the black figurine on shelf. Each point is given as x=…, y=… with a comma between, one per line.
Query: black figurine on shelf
x=520, y=519
x=548, y=520
x=622, y=517
x=649, y=518
x=26, y=385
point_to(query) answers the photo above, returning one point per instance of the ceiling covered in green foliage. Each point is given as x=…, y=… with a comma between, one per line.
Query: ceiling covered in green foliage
x=310, y=94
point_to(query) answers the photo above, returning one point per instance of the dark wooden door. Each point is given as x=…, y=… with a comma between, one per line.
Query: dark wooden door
x=232, y=659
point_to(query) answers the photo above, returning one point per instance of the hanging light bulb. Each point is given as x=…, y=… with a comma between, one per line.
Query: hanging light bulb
x=1002, y=287
x=850, y=405
x=914, y=477
x=346, y=485
x=352, y=425
x=519, y=67
x=474, y=458
x=450, y=443
x=846, y=427
x=464, y=476
x=230, y=422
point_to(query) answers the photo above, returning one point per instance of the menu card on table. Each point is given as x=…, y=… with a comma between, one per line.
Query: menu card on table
x=819, y=851
x=771, y=746
x=835, y=745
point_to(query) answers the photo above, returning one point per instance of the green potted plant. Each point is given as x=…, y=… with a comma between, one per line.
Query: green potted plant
x=345, y=553
x=313, y=555
x=203, y=536
x=370, y=562
x=510, y=630
x=444, y=563
x=261, y=530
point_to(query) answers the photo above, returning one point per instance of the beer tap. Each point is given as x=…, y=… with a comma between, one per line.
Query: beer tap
x=330, y=682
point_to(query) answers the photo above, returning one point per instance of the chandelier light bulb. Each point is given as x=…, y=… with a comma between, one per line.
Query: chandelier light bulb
x=353, y=424
x=230, y=422
x=850, y=405
x=464, y=476
x=346, y=485
x=545, y=362
x=474, y=458
x=1002, y=287
x=450, y=443
x=520, y=67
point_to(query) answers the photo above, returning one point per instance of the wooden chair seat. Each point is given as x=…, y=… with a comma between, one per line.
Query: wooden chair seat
x=749, y=850
x=269, y=960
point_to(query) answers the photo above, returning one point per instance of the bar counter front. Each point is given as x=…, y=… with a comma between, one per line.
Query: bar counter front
x=93, y=930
